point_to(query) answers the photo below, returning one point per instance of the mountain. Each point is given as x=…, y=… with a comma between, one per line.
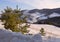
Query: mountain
x=46, y=11
x=48, y=15
x=52, y=21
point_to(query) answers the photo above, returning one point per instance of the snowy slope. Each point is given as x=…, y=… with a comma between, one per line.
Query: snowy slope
x=34, y=29
x=7, y=36
x=52, y=32
x=49, y=29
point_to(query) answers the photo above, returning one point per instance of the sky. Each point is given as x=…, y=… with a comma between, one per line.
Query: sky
x=30, y=4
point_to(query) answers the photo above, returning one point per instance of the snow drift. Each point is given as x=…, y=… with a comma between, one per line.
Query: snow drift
x=8, y=36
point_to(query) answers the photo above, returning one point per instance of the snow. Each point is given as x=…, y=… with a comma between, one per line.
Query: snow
x=38, y=16
x=1, y=26
x=52, y=34
x=7, y=36
x=34, y=16
x=49, y=29
x=50, y=39
x=54, y=15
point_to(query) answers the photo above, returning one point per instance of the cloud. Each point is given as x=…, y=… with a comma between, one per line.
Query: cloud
x=40, y=3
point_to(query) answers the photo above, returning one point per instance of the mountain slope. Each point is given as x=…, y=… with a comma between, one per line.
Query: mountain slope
x=52, y=21
x=36, y=15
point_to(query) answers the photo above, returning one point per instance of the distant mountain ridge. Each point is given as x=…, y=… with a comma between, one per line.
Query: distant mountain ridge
x=56, y=10
x=46, y=11
x=47, y=15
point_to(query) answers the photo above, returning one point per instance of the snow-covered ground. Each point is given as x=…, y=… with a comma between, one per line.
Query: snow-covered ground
x=1, y=25
x=7, y=36
x=52, y=34
x=49, y=29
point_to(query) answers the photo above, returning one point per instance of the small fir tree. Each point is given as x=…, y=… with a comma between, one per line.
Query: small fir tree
x=12, y=20
x=42, y=32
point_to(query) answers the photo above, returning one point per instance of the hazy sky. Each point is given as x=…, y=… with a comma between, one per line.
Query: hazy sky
x=30, y=4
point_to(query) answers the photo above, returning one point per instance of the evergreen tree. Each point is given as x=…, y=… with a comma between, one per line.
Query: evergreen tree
x=12, y=20
x=42, y=32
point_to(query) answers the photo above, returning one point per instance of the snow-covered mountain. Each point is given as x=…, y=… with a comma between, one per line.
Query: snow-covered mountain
x=36, y=15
